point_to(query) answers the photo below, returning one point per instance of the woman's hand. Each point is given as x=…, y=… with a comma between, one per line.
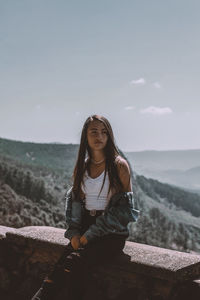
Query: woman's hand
x=75, y=241
x=83, y=240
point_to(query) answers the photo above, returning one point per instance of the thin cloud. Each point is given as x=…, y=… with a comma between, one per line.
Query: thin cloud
x=129, y=107
x=140, y=81
x=156, y=110
x=157, y=85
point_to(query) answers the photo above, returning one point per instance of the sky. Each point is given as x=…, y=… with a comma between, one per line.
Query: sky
x=135, y=62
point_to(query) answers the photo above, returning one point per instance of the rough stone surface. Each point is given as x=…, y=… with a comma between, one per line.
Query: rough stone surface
x=162, y=263
x=44, y=234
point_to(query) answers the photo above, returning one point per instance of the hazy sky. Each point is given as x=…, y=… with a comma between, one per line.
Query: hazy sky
x=135, y=62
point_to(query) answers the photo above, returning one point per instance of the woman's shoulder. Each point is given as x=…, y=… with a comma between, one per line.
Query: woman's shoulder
x=119, y=160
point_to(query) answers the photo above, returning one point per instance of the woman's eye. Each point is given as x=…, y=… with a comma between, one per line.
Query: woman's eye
x=95, y=132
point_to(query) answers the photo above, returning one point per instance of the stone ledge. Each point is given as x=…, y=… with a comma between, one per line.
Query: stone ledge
x=4, y=230
x=32, y=235
x=141, y=259
x=162, y=263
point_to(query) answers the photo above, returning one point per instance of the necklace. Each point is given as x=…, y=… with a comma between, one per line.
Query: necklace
x=97, y=162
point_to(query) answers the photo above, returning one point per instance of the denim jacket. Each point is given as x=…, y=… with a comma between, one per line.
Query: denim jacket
x=119, y=212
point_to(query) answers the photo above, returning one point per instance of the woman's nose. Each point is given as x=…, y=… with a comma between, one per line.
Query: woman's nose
x=99, y=135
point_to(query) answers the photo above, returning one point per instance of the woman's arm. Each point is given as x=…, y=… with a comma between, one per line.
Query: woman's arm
x=124, y=173
x=72, y=216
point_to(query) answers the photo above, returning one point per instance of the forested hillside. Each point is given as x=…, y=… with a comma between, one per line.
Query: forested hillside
x=164, y=221
x=29, y=200
x=49, y=157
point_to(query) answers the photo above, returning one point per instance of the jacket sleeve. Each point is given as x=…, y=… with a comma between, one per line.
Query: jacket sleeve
x=72, y=216
x=116, y=218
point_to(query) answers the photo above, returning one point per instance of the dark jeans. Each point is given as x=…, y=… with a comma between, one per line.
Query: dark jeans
x=72, y=271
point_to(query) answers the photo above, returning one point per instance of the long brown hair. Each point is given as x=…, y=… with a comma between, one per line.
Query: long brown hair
x=111, y=152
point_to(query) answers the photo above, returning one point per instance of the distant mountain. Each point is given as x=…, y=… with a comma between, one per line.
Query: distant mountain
x=193, y=171
x=180, y=167
x=189, y=178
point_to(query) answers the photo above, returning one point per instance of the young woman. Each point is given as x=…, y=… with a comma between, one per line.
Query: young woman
x=99, y=207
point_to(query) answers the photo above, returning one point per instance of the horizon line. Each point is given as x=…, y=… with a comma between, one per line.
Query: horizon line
x=61, y=143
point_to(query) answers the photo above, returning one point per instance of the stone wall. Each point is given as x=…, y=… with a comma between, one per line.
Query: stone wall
x=141, y=272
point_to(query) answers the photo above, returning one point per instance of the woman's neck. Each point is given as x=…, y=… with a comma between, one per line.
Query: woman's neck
x=98, y=155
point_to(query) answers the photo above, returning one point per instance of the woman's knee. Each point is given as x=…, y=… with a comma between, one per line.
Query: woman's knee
x=74, y=262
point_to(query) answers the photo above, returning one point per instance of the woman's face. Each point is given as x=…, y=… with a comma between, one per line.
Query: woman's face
x=97, y=135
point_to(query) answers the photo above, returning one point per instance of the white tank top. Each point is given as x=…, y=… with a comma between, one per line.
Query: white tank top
x=92, y=189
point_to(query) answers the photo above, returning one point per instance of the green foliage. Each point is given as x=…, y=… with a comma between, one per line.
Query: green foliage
x=24, y=183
